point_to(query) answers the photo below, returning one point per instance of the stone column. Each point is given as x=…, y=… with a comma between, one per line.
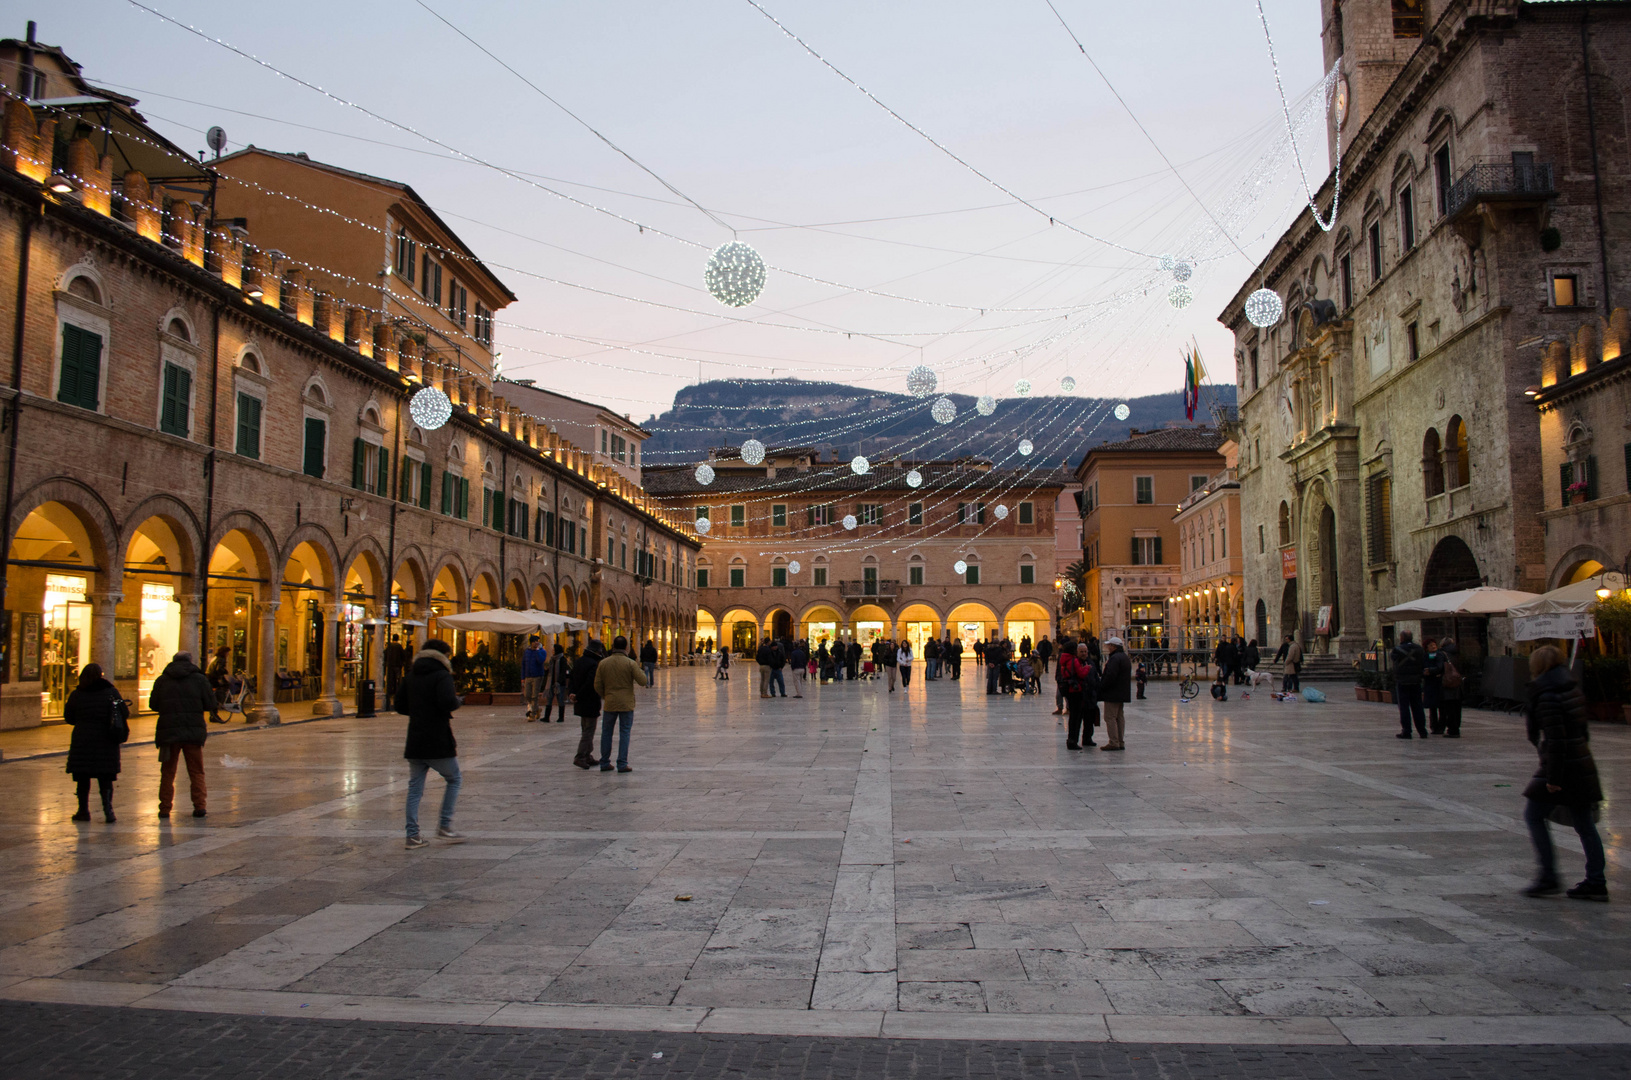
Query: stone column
x=192, y=607
x=103, y=606
x=376, y=659
x=264, y=710
x=329, y=703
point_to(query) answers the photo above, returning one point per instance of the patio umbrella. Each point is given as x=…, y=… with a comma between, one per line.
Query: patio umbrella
x=1484, y=600
x=505, y=621
x=1563, y=613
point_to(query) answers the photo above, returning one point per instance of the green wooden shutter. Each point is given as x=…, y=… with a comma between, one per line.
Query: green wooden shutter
x=382, y=474
x=447, y=493
x=1157, y=560
x=405, y=489
x=359, y=464
x=316, y=441
x=1566, y=476
x=178, y=385
x=464, y=498
x=424, y=485
x=1591, y=476
x=249, y=426
x=1136, y=561
x=81, y=378
x=498, y=511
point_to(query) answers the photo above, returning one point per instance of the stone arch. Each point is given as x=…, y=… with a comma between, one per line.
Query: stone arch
x=87, y=507
x=88, y=272
x=542, y=597
x=178, y=314
x=316, y=391
x=320, y=542
x=252, y=358
x=177, y=516
x=410, y=567
x=252, y=527
x=484, y=590
x=1457, y=447
x=1580, y=562
x=450, y=583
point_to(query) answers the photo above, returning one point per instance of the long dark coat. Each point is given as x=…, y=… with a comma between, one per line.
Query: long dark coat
x=1558, y=727
x=92, y=751
x=426, y=695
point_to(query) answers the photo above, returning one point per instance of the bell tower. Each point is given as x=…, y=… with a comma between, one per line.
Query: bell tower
x=1372, y=39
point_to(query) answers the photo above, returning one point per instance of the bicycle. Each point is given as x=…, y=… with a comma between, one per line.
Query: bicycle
x=1189, y=688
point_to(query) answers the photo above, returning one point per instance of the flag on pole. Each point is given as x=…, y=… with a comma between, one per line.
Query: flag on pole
x=1194, y=374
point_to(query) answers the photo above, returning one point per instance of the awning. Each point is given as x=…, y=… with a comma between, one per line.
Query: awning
x=1484, y=600
x=1563, y=613
x=505, y=621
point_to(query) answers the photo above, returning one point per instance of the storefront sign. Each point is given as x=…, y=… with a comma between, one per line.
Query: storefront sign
x=1566, y=627
x=1288, y=564
x=28, y=647
x=1322, y=622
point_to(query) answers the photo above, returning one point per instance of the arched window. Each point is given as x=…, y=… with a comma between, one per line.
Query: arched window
x=177, y=328
x=84, y=288
x=1285, y=524
x=1432, y=471
x=1457, y=468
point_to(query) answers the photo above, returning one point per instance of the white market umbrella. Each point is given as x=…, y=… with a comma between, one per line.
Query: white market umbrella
x=1484, y=600
x=1565, y=612
x=505, y=621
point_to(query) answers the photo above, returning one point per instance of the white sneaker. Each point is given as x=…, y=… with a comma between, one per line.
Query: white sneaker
x=450, y=836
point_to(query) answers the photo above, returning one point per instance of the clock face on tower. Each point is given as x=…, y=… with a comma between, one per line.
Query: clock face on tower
x=1342, y=100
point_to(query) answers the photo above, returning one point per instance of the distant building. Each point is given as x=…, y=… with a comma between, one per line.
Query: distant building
x=778, y=560
x=611, y=439
x=1208, y=605
x=1130, y=540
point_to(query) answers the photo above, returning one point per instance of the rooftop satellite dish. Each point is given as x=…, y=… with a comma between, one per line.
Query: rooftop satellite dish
x=217, y=138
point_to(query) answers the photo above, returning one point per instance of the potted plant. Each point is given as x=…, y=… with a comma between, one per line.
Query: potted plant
x=1607, y=681
x=506, y=683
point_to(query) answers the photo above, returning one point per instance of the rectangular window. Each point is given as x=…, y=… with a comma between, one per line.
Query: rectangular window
x=450, y=490
x=605, y=441
x=484, y=324
x=1376, y=251
x=971, y=576
x=702, y=577
x=1412, y=341
x=962, y=513
x=1144, y=490
x=359, y=464
x=739, y=516
x=461, y=310
x=1347, y=274
x=778, y=576
x=424, y=485
x=1565, y=290
x=1027, y=513
x=914, y=575
x=316, y=447
x=81, y=368
x=1146, y=551
x=1027, y=574
x=1378, y=518
x=819, y=576
x=778, y=515
x=611, y=551
x=463, y=508
x=1196, y=482
x=178, y=390
x=979, y=513
x=1262, y=540
x=914, y=514
x=702, y=513
x=617, y=447
x=249, y=426
x=818, y=515
x=406, y=254
x=1441, y=178
x=1407, y=217
x=1253, y=359
x=623, y=556
x=871, y=514
x=1407, y=18
x=738, y=577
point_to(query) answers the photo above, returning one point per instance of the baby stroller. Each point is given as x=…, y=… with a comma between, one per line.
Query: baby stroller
x=869, y=670
x=1029, y=683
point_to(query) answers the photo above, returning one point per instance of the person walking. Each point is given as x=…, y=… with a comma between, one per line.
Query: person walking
x=218, y=673
x=903, y=658
x=931, y=659
x=1044, y=652
x=615, y=680
x=1450, y=680
x=648, y=661
x=956, y=650
x=1115, y=690
x=1253, y=657
x=890, y=660
x=979, y=653
x=722, y=673
x=852, y=660
x=534, y=672
x=1409, y=660
x=778, y=665
x=427, y=698
x=1566, y=784
x=1225, y=659
x=800, y=659
x=181, y=696
x=586, y=702
x=557, y=690
x=396, y=661
x=762, y=658
x=1078, y=681
x=100, y=720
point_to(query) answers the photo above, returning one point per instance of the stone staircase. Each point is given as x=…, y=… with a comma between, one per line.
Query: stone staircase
x=1325, y=669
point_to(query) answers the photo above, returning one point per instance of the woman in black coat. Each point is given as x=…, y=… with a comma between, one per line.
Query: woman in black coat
x=93, y=752
x=1567, y=777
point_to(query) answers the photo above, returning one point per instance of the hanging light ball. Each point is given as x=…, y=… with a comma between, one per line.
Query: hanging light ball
x=793, y=567
x=703, y=525
x=1264, y=308
x=1167, y=262
x=1122, y=411
x=1001, y=511
x=1023, y=387
x=1182, y=271
x=1025, y=447
x=914, y=479
x=859, y=465
x=705, y=474
x=1180, y=296
x=944, y=410
x=1068, y=383
x=430, y=408
x=960, y=566
x=921, y=381
x=850, y=522
x=986, y=405
x=735, y=274
x=753, y=452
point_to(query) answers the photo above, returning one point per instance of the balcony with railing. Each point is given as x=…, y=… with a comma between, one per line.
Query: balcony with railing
x=874, y=591
x=1509, y=182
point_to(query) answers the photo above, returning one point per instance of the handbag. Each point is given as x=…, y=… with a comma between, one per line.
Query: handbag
x=1452, y=678
x=119, y=722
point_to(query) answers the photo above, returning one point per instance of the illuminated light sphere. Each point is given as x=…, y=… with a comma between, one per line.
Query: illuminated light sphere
x=921, y=381
x=1167, y=262
x=793, y=567
x=1023, y=387
x=1264, y=308
x=1025, y=447
x=859, y=465
x=1068, y=383
x=960, y=566
x=1123, y=412
x=735, y=275
x=430, y=408
x=1001, y=511
x=703, y=525
x=1180, y=296
x=705, y=474
x=914, y=479
x=944, y=410
x=849, y=521
x=986, y=405
x=753, y=451
x=1182, y=271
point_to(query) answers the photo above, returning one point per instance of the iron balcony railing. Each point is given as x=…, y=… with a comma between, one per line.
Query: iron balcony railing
x=886, y=589
x=1483, y=182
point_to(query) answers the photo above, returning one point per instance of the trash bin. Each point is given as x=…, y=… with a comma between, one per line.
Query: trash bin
x=365, y=698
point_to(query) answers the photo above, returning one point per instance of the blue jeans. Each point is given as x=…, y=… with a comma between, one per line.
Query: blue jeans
x=1534, y=815
x=776, y=680
x=624, y=721
x=651, y=673
x=448, y=767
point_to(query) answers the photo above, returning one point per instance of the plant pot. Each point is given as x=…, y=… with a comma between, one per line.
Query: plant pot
x=1387, y=696
x=506, y=699
x=1606, y=712
x=478, y=697
x=1361, y=693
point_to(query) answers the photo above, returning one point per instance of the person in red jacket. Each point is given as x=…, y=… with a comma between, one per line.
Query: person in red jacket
x=1080, y=683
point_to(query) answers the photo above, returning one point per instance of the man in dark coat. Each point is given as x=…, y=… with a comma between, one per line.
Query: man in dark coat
x=648, y=662
x=852, y=660
x=426, y=696
x=1567, y=776
x=585, y=702
x=1225, y=658
x=1409, y=664
x=93, y=752
x=1115, y=690
x=181, y=696
x=396, y=658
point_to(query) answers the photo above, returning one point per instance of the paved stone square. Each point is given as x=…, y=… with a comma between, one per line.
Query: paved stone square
x=932, y=864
